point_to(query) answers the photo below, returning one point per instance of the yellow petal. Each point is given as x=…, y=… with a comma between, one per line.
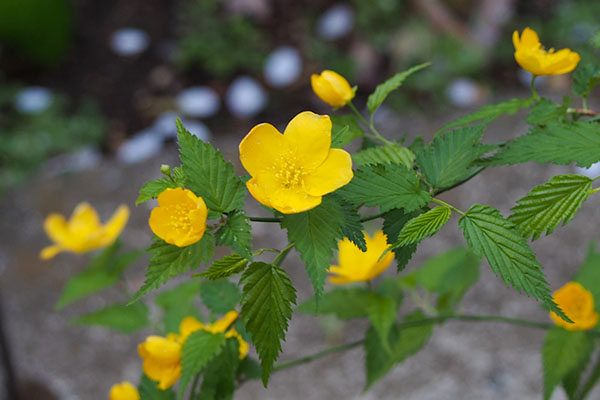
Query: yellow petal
x=332, y=88
x=335, y=172
x=561, y=62
x=115, y=224
x=293, y=200
x=188, y=326
x=530, y=39
x=160, y=349
x=529, y=61
x=56, y=228
x=124, y=391
x=340, y=85
x=262, y=148
x=258, y=192
x=160, y=224
x=310, y=136
x=376, y=245
x=50, y=252
x=84, y=219
x=178, y=196
x=242, y=346
x=222, y=324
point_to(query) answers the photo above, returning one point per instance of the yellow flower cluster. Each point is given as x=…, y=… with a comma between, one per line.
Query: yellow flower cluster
x=123, y=391
x=356, y=265
x=532, y=57
x=578, y=304
x=162, y=355
x=83, y=232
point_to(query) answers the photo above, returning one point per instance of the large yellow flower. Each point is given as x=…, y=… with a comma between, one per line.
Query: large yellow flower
x=332, y=88
x=356, y=265
x=532, y=57
x=123, y=391
x=578, y=304
x=83, y=232
x=291, y=172
x=180, y=217
x=162, y=359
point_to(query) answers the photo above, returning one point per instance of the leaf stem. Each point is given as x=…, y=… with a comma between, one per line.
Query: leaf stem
x=443, y=203
x=534, y=93
x=265, y=219
x=317, y=355
x=372, y=217
x=374, y=134
x=281, y=256
x=472, y=175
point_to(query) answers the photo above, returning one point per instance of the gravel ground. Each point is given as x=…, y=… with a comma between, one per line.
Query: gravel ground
x=57, y=360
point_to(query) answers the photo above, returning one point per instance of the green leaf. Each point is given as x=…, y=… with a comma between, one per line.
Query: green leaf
x=558, y=142
x=105, y=269
x=573, y=378
x=450, y=158
x=423, y=226
x=585, y=78
x=548, y=204
x=490, y=235
x=404, y=342
x=315, y=233
x=236, y=233
x=393, y=222
x=382, y=313
x=120, y=317
x=220, y=296
x=149, y=390
x=226, y=266
x=178, y=303
x=546, y=111
x=488, y=112
x=384, y=89
x=345, y=128
x=352, y=227
x=343, y=303
x=387, y=186
x=589, y=274
x=218, y=382
x=267, y=300
x=562, y=351
x=168, y=261
x=197, y=350
x=388, y=154
x=249, y=369
x=152, y=189
x=208, y=174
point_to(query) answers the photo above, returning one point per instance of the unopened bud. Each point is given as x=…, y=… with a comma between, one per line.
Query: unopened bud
x=165, y=169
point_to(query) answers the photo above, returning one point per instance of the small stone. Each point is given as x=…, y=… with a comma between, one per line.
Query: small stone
x=463, y=92
x=592, y=172
x=140, y=147
x=245, y=97
x=33, y=99
x=283, y=66
x=336, y=22
x=199, y=102
x=129, y=41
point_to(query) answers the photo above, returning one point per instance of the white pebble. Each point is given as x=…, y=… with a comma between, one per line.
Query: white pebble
x=139, y=147
x=592, y=172
x=33, y=99
x=129, y=41
x=463, y=92
x=245, y=97
x=164, y=125
x=336, y=22
x=525, y=79
x=283, y=66
x=199, y=102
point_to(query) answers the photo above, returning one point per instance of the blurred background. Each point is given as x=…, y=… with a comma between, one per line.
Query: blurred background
x=89, y=91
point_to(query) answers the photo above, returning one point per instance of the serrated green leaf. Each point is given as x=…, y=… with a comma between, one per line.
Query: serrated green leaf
x=152, y=189
x=561, y=352
x=208, y=174
x=423, y=226
x=450, y=158
x=546, y=111
x=382, y=311
x=490, y=235
x=345, y=128
x=236, y=233
x=404, y=342
x=149, y=390
x=558, y=142
x=352, y=227
x=178, y=303
x=197, y=350
x=104, y=271
x=218, y=382
x=384, y=89
x=572, y=380
x=388, y=154
x=393, y=222
x=220, y=296
x=267, y=299
x=488, y=112
x=120, y=317
x=168, y=261
x=585, y=78
x=226, y=266
x=548, y=204
x=315, y=234
x=387, y=186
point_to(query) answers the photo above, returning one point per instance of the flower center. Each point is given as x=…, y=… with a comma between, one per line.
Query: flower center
x=288, y=172
x=180, y=219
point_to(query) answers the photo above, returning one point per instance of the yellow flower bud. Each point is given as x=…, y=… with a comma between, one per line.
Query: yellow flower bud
x=162, y=359
x=332, y=88
x=123, y=391
x=532, y=57
x=578, y=304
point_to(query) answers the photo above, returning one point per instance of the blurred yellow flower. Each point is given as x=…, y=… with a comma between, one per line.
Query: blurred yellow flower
x=356, y=265
x=291, y=172
x=180, y=217
x=123, y=391
x=162, y=359
x=332, y=88
x=578, y=304
x=532, y=57
x=83, y=232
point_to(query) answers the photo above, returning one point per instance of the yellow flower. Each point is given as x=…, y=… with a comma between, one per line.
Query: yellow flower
x=191, y=324
x=356, y=265
x=332, y=88
x=180, y=217
x=291, y=172
x=83, y=232
x=578, y=304
x=162, y=359
x=532, y=57
x=123, y=391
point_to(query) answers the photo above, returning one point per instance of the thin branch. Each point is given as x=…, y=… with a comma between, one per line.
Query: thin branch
x=265, y=219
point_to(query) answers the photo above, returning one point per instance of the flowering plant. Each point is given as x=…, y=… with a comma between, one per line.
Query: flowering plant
x=321, y=196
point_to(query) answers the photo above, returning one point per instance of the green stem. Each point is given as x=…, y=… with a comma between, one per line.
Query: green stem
x=372, y=217
x=584, y=103
x=320, y=354
x=281, y=256
x=472, y=175
x=265, y=219
x=534, y=94
x=374, y=134
x=443, y=203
